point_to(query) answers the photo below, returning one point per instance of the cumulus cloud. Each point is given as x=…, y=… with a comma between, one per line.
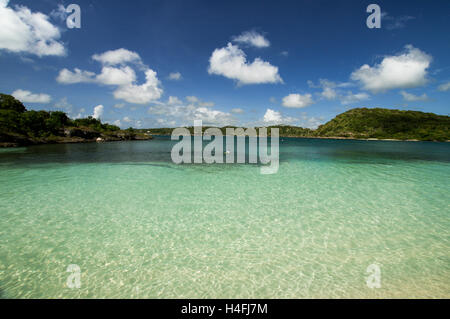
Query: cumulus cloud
x=98, y=112
x=272, y=117
x=175, y=76
x=350, y=98
x=28, y=32
x=59, y=13
x=297, y=100
x=231, y=62
x=114, y=72
x=252, y=38
x=119, y=56
x=444, y=87
x=329, y=93
x=116, y=76
x=405, y=70
x=412, y=97
x=28, y=97
x=66, y=76
x=108, y=76
x=185, y=114
x=141, y=94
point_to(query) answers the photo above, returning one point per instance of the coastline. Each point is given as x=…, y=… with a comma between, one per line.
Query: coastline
x=22, y=142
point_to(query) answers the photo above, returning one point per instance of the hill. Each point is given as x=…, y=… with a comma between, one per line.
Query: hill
x=387, y=124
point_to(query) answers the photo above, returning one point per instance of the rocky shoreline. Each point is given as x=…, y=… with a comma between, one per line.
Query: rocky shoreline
x=71, y=135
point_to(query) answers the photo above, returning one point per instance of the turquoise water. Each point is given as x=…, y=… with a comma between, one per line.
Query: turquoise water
x=139, y=226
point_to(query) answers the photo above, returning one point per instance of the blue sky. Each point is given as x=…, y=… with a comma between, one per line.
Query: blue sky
x=166, y=63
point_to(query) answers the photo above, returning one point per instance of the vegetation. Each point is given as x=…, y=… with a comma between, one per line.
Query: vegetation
x=21, y=127
x=387, y=124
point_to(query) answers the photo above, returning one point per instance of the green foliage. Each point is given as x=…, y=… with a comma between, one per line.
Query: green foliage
x=8, y=102
x=387, y=124
x=16, y=120
x=94, y=124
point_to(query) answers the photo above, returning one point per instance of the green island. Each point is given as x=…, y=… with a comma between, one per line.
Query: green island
x=19, y=127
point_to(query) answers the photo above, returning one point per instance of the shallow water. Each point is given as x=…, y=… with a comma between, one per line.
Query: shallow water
x=139, y=226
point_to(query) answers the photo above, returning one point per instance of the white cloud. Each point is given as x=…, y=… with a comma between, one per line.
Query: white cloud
x=297, y=100
x=351, y=98
x=119, y=56
x=444, y=87
x=412, y=98
x=329, y=88
x=66, y=76
x=175, y=76
x=185, y=114
x=116, y=76
x=98, y=112
x=231, y=62
x=252, y=38
x=28, y=97
x=173, y=100
x=404, y=70
x=272, y=117
x=141, y=94
x=119, y=105
x=59, y=13
x=124, y=77
x=329, y=93
x=237, y=110
x=29, y=32
x=108, y=76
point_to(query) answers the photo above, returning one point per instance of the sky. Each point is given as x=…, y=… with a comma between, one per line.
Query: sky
x=148, y=64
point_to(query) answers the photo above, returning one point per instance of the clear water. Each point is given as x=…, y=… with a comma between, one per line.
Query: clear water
x=139, y=226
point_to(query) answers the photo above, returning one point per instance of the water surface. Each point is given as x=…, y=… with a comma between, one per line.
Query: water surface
x=140, y=226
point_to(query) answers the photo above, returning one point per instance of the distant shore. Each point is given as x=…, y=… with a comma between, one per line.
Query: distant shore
x=23, y=142
x=339, y=138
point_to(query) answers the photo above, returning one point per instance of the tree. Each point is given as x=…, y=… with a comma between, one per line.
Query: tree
x=8, y=102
